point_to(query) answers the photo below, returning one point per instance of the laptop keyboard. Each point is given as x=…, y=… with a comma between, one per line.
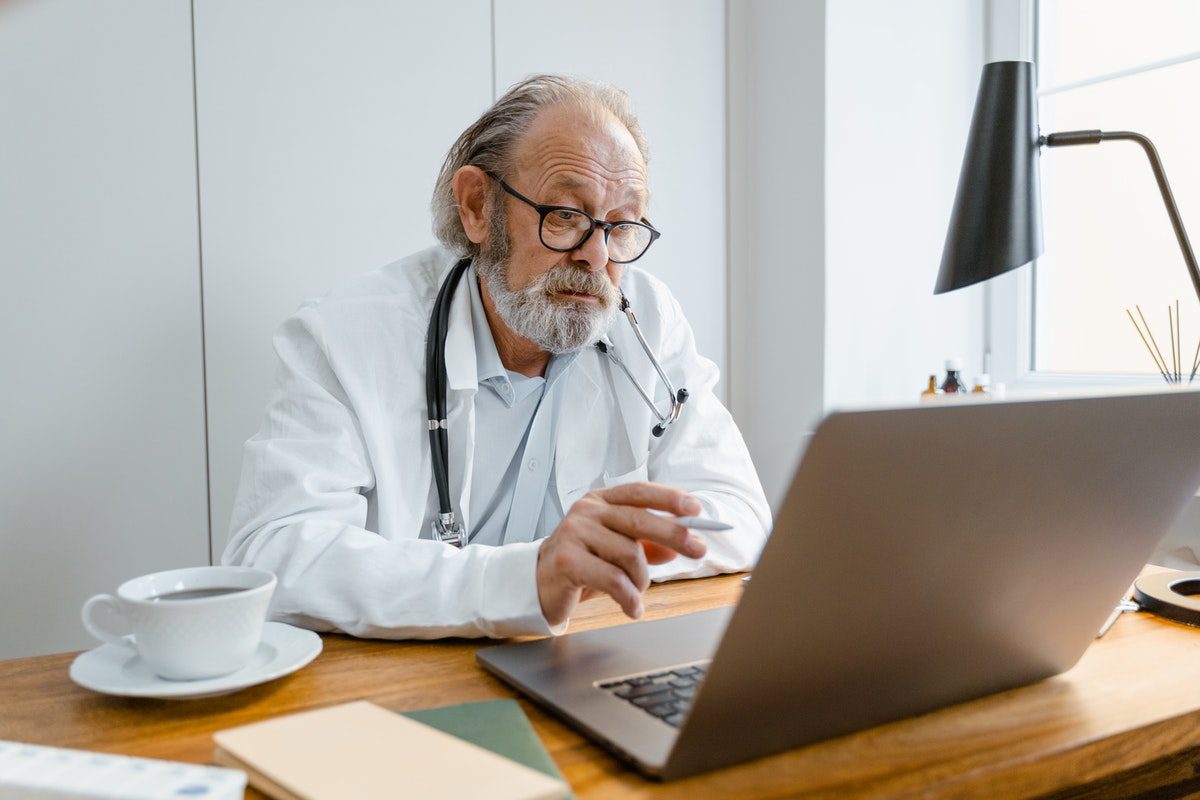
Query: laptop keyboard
x=666, y=694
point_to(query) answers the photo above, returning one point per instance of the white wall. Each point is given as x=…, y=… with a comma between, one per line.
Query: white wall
x=848, y=121
x=777, y=60
x=900, y=88
x=101, y=401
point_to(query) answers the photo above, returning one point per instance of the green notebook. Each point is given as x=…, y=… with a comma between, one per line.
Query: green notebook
x=497, y=725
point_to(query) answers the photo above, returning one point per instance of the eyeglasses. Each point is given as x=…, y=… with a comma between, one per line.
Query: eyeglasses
x=563, y=229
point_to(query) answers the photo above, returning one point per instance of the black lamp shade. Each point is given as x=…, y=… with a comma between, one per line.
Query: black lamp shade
x=996, y=223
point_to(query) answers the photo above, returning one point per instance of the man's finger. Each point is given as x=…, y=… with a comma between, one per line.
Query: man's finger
x=615, y=548
x=637, y=523
x=656, y=553
x=596, y=573
x=645, y=494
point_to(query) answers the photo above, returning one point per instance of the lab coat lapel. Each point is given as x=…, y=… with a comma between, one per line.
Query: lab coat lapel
x=627, y=448
x=462, y=378
x=583, y=430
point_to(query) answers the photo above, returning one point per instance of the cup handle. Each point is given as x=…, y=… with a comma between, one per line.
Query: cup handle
x=94, y=627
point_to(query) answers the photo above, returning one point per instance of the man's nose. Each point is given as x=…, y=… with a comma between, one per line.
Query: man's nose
x=594, y=252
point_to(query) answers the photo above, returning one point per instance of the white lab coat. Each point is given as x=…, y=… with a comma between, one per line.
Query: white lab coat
x=337, y=493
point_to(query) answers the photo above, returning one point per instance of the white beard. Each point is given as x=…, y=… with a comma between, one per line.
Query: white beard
x=556, y=326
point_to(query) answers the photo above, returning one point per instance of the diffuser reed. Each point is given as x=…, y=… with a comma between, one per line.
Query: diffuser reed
x=1172, y=370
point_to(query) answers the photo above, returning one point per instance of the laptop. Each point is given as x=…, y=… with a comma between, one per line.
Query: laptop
x=922, y=557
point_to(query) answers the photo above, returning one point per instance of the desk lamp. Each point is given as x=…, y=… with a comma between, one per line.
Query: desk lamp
x=996, y=224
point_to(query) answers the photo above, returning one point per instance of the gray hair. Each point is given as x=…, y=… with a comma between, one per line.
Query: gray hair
x=490, y=143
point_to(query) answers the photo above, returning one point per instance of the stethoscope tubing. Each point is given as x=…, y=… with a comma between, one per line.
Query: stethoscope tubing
x=435, y=397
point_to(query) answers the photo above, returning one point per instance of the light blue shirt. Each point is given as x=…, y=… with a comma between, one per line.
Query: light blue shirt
x=513, y=496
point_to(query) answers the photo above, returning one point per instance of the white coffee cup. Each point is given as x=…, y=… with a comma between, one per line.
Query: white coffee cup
x=180, y=625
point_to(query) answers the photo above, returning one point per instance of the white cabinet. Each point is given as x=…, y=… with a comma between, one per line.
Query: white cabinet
x=670, y=56
x=322, y=127
x=102, y=469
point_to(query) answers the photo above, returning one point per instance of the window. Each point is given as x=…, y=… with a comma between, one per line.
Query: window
x=1109, y=246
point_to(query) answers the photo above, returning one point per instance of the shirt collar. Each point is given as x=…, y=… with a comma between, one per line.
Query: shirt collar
x=490, y=369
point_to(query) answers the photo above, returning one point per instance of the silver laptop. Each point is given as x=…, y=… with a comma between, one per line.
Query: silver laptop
x=922, y=557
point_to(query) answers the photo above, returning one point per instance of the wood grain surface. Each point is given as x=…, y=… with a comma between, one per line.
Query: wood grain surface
x=1125, y=721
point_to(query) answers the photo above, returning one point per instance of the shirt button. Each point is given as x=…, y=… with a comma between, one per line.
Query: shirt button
x=533, y=463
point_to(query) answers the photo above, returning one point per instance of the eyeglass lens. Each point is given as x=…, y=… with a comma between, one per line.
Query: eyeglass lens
x=565, y=230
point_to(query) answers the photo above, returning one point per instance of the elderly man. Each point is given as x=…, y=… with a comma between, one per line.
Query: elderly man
x=560, y=485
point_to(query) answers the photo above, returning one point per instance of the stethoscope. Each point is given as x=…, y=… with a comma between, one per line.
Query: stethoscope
x=445, y=527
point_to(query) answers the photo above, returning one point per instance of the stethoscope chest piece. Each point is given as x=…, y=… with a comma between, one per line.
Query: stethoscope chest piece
x=676, y=398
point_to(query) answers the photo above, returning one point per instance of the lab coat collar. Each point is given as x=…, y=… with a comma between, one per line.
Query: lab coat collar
x=461, y=371
x=488, y=364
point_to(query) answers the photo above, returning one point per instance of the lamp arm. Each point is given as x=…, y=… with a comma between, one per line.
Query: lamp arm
x=1095, y=137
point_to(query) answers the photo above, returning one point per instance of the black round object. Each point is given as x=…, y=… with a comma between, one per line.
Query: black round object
x=1170, y=595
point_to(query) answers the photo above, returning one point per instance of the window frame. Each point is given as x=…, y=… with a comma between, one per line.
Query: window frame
x=1009, y=324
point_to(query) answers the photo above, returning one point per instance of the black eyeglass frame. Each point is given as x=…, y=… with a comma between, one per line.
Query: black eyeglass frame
x=544, y=211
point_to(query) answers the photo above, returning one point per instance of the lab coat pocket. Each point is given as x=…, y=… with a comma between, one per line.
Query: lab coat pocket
x=638, y=473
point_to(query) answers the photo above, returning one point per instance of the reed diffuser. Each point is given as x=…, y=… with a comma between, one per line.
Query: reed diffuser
x=1172, y=370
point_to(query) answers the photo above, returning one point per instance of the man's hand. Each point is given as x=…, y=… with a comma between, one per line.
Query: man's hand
x=596, y=547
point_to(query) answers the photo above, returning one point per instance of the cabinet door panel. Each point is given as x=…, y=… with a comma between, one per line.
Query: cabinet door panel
x=102, y=466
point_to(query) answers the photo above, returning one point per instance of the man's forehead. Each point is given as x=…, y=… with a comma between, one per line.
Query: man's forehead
x=633, y=185
x=567, y=150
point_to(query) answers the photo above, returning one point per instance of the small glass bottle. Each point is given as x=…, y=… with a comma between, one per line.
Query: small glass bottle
x=932, y=391
x=953, y=383
x=983, y=385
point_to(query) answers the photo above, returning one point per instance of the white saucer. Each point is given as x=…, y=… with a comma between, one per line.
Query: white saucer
x=110, y=669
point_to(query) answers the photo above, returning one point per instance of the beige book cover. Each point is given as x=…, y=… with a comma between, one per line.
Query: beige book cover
x=361, y=751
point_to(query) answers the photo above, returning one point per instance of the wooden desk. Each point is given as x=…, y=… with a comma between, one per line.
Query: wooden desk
x=1122, y=722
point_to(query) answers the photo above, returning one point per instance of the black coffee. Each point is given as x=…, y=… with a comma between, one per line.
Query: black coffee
x=196, y=594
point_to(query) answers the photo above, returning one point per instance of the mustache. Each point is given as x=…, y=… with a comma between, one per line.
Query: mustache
x=574, y=279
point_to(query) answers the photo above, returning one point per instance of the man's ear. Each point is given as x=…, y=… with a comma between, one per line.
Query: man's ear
x=471, y=187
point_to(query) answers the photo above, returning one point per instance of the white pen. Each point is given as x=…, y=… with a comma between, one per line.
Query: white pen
x=702, y=524
x=1127, y=604
x=698, y=523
